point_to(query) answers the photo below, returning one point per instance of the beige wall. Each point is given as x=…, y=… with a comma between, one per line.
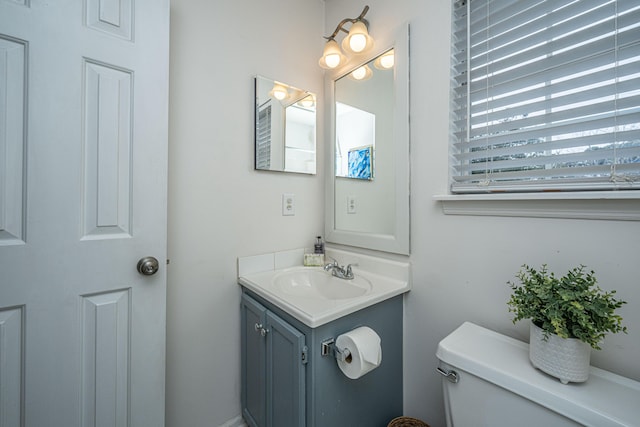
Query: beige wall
x=221, y=208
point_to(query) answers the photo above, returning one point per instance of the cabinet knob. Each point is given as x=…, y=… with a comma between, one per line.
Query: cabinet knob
x=259, y=328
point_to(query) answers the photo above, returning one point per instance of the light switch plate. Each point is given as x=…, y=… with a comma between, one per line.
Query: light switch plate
x=288, y=204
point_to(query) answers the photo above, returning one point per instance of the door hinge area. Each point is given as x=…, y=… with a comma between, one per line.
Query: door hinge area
x=304, y=355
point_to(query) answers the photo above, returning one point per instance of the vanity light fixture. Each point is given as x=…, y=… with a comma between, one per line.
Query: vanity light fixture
x=357, y=41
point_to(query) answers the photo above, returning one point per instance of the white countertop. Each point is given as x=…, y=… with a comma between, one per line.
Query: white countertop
x=388, y=279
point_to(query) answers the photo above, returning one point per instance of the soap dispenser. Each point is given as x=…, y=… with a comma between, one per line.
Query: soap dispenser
x=315, y=259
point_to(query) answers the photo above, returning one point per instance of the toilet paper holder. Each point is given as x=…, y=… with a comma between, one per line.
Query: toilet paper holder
x=328, y=347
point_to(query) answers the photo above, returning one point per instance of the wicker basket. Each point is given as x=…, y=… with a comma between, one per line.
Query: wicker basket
x=407, y=422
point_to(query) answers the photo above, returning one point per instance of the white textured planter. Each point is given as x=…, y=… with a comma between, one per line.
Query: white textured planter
x=567, y=359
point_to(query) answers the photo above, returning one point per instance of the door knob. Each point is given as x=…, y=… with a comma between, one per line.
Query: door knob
x=148, y=266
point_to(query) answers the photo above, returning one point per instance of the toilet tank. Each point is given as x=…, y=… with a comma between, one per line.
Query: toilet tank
x=497, y=386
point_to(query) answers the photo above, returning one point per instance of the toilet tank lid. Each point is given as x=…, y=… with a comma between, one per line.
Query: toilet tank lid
x=606, y=399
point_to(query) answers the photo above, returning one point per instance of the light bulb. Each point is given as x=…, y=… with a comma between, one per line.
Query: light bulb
x=387, y=61
x=307, y=102
x=332, y=60
x=358, y=42
x=359, y=73
x=279, y=92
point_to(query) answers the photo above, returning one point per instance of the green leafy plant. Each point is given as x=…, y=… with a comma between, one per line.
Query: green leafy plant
x=572, y=306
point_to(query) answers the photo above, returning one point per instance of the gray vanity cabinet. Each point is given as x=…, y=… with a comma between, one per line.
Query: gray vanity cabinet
x=273, y=368
x=286, y=384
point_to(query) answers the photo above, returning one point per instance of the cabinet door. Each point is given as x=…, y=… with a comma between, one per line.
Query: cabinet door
x=286, y=358
x=254, y=401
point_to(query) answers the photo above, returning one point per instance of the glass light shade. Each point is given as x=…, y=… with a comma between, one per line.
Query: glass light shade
x=358, y=40
x=307, y=102
x=385, y=61
x=361, y=73
x=279, y=92
x=331, y=56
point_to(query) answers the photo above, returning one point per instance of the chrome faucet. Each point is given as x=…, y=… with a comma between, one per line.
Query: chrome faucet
x=340, y=272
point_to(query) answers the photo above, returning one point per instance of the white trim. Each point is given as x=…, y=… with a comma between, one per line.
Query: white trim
x=603, y=205
x=566, y=195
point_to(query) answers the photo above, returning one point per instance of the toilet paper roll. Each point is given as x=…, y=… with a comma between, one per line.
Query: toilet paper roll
x=366, y=353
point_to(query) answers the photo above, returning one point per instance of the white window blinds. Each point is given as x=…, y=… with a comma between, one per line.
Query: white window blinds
x=546, y=95
x=263, y=137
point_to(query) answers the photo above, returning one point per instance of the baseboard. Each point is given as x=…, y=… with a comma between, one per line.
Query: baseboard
x=235, y=422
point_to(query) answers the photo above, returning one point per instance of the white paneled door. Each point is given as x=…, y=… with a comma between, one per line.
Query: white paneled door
x=83, y=180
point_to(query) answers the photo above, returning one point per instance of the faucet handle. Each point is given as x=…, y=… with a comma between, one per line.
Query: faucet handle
x=348, y=270
x=331, y=265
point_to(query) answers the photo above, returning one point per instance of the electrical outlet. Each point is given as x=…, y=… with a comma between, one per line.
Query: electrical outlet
x=352, y=205
x=288, y=204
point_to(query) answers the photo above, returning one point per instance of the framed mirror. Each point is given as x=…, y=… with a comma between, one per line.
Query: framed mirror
x=368, y=178
x=285, y=127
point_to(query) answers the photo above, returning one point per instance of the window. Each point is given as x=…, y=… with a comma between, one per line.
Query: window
x=546, y=95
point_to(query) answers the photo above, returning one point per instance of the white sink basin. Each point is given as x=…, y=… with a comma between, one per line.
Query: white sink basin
x=319, y=284
x=315, y=297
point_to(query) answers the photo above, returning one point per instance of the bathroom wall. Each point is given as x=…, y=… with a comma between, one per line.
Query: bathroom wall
x=461, y=263
x=220, y=208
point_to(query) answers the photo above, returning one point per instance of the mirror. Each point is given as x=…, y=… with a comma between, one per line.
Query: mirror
x=285, y=127
x=368, y=181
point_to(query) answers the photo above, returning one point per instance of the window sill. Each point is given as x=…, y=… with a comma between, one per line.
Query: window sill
x=607, y=205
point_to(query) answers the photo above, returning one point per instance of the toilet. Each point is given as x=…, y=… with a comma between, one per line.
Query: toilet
x=489, y=381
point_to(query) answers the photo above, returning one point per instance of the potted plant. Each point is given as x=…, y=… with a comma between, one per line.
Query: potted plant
x=569, y=316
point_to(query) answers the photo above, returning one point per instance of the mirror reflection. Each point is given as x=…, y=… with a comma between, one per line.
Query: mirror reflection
x=285, y=127
x=368, y=207
x=364, y=148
